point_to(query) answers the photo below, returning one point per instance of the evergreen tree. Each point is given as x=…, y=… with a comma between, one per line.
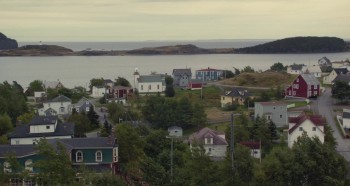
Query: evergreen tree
x=273, y=130
x=93, y=117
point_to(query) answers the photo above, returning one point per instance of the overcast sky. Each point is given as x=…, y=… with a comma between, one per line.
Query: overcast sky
x=139, y=20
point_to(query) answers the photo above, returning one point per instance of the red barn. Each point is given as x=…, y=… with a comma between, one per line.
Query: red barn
x=305, y=86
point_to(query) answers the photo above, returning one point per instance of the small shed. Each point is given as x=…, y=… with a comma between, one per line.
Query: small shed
x=175, y=131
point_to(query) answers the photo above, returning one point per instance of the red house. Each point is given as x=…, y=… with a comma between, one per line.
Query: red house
x=119, y=92
x=305, y=86
x=195, y=84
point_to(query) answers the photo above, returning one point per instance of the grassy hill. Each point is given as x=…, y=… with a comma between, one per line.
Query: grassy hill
x=264, y=79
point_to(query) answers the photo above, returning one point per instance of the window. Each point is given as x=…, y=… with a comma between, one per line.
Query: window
x=209, y=150
x=7, y=167
x=141, y=87
x=313, y=128
x=149, y=87
x=47, y=126
x=300, y=128
x=158, y=87
x=98, y=156
x=281, y=116
x=115, y=154
x=297, y=80
x=208, y=140
x=79, y=156
x=62, y=109
x=17, y=142
x=87, y=109
x=223, y=98
x=28, y=165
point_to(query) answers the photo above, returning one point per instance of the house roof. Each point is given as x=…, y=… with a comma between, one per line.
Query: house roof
x=151, y=78
x=51, y=84
x=325, y=59
x=62, y=129
x=105, y=81
x=343, y=78
x=43, y=120
x=237, y=92
x=208, y=69
x=69, y=143
x=200, y=136
x=296, y=66
x=251, y=144
x=60, y=98
x=196, y=81
x=313, y=69
x=341, y=70
x=181, y=72
x=82, y=101
x=119, y=87
x=346, y=114
x=317, y=120
x=272, y=103
x=19, y=150
x=81, y=143
x=310, y=79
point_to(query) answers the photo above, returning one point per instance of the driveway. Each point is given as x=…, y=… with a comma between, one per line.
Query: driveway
x=324, y=106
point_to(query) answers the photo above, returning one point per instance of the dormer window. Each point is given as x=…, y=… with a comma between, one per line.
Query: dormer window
x=98, y=156
x=28, y=165
x=209, y=140
x=79, y=156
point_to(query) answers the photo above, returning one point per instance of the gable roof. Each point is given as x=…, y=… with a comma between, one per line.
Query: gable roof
x=19, y=150
x=310, y=79
x=296, y=66
x=208, y=69
x=86, y=143
x=43, y=120
x=200, y=136
x=52, y=84
x=238, y=92
x=60, y=98
x=251, y=144
x=343, y=78
x=181, y=72
x=151, y=78
x=341, y=70
x=83, y=101
x=62, y=129
x=317, y=120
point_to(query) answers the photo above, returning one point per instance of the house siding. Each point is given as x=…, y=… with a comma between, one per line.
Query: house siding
x=300, y=88
x=307, y=126
x=89, y=156
x=278, y=113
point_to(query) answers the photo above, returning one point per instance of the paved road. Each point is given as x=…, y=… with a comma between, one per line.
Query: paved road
x=324, y=106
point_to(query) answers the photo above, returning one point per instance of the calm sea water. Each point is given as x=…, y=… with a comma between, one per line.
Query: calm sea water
x=78, y=70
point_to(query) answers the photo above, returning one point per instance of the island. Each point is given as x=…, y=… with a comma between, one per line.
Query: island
x=284, y=46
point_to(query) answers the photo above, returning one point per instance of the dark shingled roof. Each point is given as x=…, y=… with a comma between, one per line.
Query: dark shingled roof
x=317, y=120
x=60, y=98
x=346, y=115
x=207, y=132
x=296, y=66
x=19, y=150
x=81, y=143
x=180, y=72
x=238, y=92
x=273, y=103
x=341, y=70
x=251, y=144
x=43, y=120
x=62, y=129
x=343, y=78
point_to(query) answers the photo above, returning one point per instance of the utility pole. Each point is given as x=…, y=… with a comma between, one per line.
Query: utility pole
x=232, y=144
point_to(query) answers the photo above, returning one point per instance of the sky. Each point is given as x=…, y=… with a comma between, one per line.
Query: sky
x=144, y=20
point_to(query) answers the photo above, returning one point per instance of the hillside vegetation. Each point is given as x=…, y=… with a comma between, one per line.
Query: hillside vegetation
x=264, y=79
x=38, y=50
x=299, y=45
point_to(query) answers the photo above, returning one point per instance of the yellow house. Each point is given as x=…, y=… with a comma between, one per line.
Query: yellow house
x=236, y=95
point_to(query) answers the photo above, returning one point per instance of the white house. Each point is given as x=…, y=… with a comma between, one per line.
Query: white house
x=40, y=127
x=313, y=126
x=346, y=119
x=213, y=142
x=315, y=70
x=149, y=84
x=60, y=105
x=296, y=69
x=254, y=146
x=98, y=91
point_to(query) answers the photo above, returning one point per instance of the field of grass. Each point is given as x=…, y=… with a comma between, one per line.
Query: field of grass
x=264, y=79
x=211, y=95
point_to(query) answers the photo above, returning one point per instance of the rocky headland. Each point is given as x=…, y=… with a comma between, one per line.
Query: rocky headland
x=7, y=43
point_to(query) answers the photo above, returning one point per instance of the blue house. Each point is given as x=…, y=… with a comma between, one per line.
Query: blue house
x=97, y=154
x=209, y=74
